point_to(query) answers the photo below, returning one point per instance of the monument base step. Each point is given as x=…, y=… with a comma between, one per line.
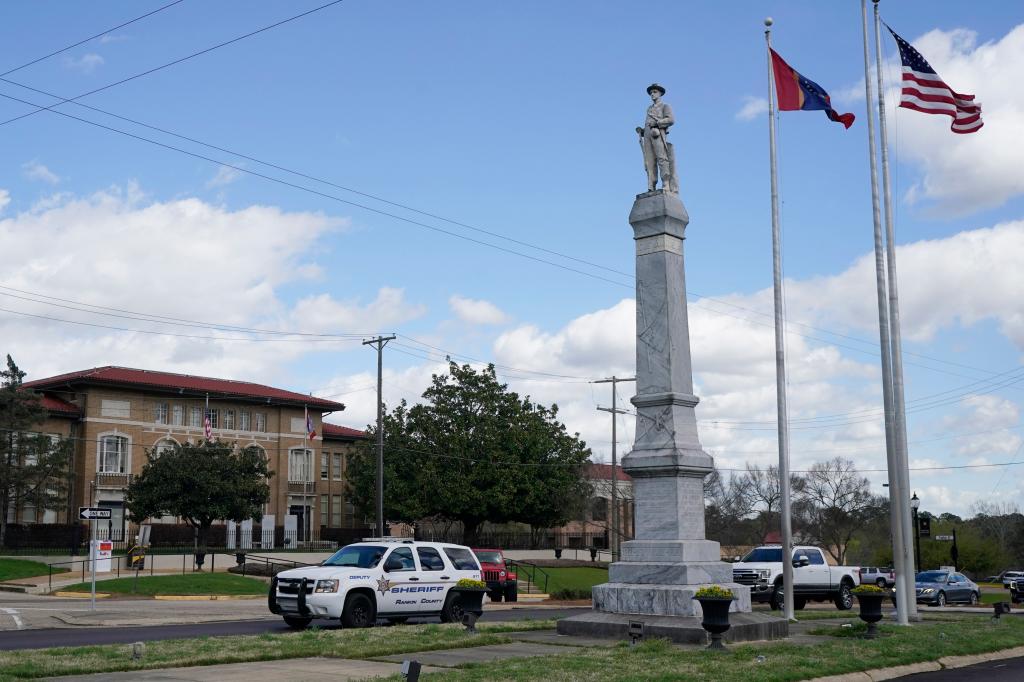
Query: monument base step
x=662, y=600
x=746, y=627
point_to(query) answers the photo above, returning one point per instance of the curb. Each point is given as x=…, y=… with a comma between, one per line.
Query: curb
x=207, y=597
x=163, y=597
x=950, y=662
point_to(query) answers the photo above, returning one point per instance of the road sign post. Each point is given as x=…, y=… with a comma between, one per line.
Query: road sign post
x=93, y=514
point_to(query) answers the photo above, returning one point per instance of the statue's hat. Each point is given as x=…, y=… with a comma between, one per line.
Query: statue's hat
x=655, y=86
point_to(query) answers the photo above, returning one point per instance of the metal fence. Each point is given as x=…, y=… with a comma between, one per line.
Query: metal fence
x=73, y=539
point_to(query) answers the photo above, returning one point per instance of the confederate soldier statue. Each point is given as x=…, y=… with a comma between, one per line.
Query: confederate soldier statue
x=659, y=154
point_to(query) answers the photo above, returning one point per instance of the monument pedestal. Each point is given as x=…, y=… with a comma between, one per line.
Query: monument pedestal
x=670, y=559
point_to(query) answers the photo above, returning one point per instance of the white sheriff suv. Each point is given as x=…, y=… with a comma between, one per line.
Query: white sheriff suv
x=391, y=578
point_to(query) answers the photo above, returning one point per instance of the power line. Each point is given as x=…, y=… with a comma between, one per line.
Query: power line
x=84, y=41
x=172, y=63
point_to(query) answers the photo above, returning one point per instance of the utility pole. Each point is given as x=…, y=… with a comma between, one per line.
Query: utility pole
x=614, y=535
x=380, y=342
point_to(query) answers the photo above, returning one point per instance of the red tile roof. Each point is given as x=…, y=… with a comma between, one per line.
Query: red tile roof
x=144, y=378
x=603, y=472
x=335, y=431
x=59, y=406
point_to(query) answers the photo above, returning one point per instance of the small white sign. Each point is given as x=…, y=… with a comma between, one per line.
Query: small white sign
x=944, y=538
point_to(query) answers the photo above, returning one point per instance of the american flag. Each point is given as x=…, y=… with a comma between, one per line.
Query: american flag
x=924, y=91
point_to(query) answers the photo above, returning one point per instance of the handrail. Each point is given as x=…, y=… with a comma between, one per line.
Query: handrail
x=531, y=577
x=269, y=561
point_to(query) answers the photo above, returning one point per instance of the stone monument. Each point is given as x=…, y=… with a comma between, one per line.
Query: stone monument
x=670, y=559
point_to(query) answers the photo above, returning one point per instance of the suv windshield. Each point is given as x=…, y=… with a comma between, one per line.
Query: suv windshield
x=488, y=557
x=932, y=577
x=768, y=554
x=357, y=556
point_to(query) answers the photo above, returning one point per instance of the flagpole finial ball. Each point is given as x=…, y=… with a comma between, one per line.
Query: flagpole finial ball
x=768, y=21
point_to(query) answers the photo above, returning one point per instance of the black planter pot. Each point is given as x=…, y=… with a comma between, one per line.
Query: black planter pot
x=871, y=612
x=558, y=552
x=470, y=599
x=716, y=618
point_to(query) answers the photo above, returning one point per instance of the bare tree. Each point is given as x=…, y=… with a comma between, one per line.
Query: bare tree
x=765, y=495
x=997, y=521
x=836, y=502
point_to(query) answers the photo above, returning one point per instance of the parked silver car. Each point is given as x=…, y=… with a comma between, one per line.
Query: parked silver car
x=939, y=588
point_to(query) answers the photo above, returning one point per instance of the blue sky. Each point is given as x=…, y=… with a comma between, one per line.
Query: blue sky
x=518, y=119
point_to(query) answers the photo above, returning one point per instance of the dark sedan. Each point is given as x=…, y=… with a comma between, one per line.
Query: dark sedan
x=939, y=588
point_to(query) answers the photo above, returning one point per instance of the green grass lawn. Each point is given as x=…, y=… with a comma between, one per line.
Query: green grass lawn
x=187, y=584
x=660, y=661
x=567, y=581
x=337, y=643
x=12, y=569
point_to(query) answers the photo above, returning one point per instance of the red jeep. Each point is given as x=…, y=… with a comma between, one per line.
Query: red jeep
x=500, y=579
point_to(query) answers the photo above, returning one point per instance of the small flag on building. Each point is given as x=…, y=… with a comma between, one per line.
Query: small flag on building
x=208, y=426
x=310, y=431
x=797, y=93
x=924, y=91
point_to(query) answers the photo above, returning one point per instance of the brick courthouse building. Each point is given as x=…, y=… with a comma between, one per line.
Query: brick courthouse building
x=116, y=414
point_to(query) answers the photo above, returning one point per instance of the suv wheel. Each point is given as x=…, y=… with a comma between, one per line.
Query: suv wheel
x=881, y=583
x=494, y=595
x=974, y=598
x=941, y=599
x=453, y=610
x=778, y=599
x=844, y=600
x=359, y=611
x=297, y=623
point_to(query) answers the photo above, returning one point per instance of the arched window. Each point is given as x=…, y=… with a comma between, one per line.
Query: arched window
x=164, y=445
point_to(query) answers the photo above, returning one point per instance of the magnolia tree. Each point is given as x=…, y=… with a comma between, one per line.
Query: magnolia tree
x=201, y=484
x=474, y=452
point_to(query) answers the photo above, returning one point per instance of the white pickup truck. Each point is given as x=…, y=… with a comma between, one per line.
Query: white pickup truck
x=813, y=578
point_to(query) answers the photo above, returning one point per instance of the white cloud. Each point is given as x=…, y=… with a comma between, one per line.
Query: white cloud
x=107, y=38
x=87, y=63
x=966, y=278
x=752, y=108
x=224, y=176
x=184, y=259
x=966, y=173
x=5, y=199
x=34, y=170
x=475, y=311
x=324, y=313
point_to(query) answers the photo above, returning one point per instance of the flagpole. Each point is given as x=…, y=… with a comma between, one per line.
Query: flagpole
x=896, y=499
x=780, y=353
x=898, y=406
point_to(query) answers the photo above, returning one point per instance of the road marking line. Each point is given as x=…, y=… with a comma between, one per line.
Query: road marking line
x=17, y=619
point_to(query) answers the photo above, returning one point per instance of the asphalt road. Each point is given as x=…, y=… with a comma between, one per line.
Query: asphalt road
x=51, y=637
x=1008, y=670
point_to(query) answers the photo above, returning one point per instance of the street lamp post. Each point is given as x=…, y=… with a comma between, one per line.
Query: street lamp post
x=915, y=502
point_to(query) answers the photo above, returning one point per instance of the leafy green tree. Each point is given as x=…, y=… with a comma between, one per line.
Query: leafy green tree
x=474, y=452
x=33, y=468
x=201, y=484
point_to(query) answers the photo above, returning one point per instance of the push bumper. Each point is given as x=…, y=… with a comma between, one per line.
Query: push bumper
x=304, y=603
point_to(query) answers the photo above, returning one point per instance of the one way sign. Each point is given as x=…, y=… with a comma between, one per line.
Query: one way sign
x=89, y=513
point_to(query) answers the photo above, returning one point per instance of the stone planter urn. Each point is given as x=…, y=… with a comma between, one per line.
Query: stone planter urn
x=715, y=606
x=870, y=610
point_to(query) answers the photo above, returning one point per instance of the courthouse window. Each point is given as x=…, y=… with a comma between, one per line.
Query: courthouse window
x=336, y=510
x=243, y=421
x=113, y=454
x=337, y=466
x=160, y=413
x=229, y=419
x=178, y=415
x=261, y=422
x=196, y=417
